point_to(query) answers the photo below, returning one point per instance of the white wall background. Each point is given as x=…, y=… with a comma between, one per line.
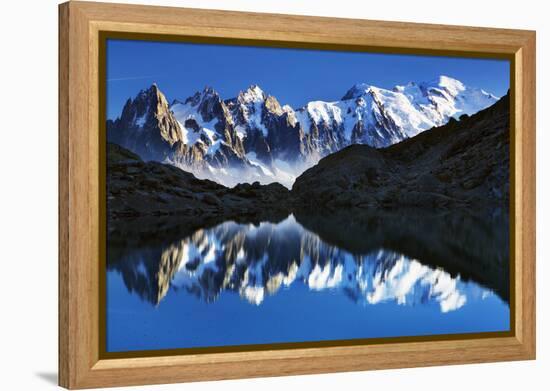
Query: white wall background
x=28, y=193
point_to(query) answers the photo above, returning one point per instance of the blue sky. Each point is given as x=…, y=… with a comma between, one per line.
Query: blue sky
x=293, y=76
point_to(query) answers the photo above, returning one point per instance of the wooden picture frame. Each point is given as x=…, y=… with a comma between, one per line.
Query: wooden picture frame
x=81, y=157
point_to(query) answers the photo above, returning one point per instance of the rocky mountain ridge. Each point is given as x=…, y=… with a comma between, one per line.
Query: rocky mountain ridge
x=463, y=164
x=252, y=137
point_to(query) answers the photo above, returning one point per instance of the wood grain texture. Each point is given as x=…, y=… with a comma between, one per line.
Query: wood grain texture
x=80, y=365
x=63, y=221
x=528, y=188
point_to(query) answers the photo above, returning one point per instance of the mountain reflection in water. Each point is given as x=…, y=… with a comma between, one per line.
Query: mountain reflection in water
x=443, y=263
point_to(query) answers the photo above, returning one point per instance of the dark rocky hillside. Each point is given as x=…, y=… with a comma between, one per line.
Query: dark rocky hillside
x=463, y=163
x=136, y=189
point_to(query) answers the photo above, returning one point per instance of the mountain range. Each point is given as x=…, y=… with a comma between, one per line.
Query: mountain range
x=252, y=137
x=462, y=164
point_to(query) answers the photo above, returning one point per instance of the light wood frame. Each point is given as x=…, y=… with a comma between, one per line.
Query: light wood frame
x=80, y=24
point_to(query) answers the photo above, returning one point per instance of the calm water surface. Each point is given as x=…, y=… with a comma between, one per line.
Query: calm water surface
x=269, y=282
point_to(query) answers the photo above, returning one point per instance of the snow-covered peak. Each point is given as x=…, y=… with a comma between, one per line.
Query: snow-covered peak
x=358, y=90
x=442, y=84
x=452, y=98
x=198, y=117
x=208, y=93
x=252, y=94
x=453, y=86
x=380, y=117
x=402, y=88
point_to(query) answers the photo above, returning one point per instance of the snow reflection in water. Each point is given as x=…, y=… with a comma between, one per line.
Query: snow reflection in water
x=240, y=284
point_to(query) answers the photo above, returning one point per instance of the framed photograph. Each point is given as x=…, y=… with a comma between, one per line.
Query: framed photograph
x=247, y=195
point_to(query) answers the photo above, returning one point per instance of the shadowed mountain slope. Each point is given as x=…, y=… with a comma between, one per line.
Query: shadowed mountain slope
x=462, y=163
x=136, y=189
